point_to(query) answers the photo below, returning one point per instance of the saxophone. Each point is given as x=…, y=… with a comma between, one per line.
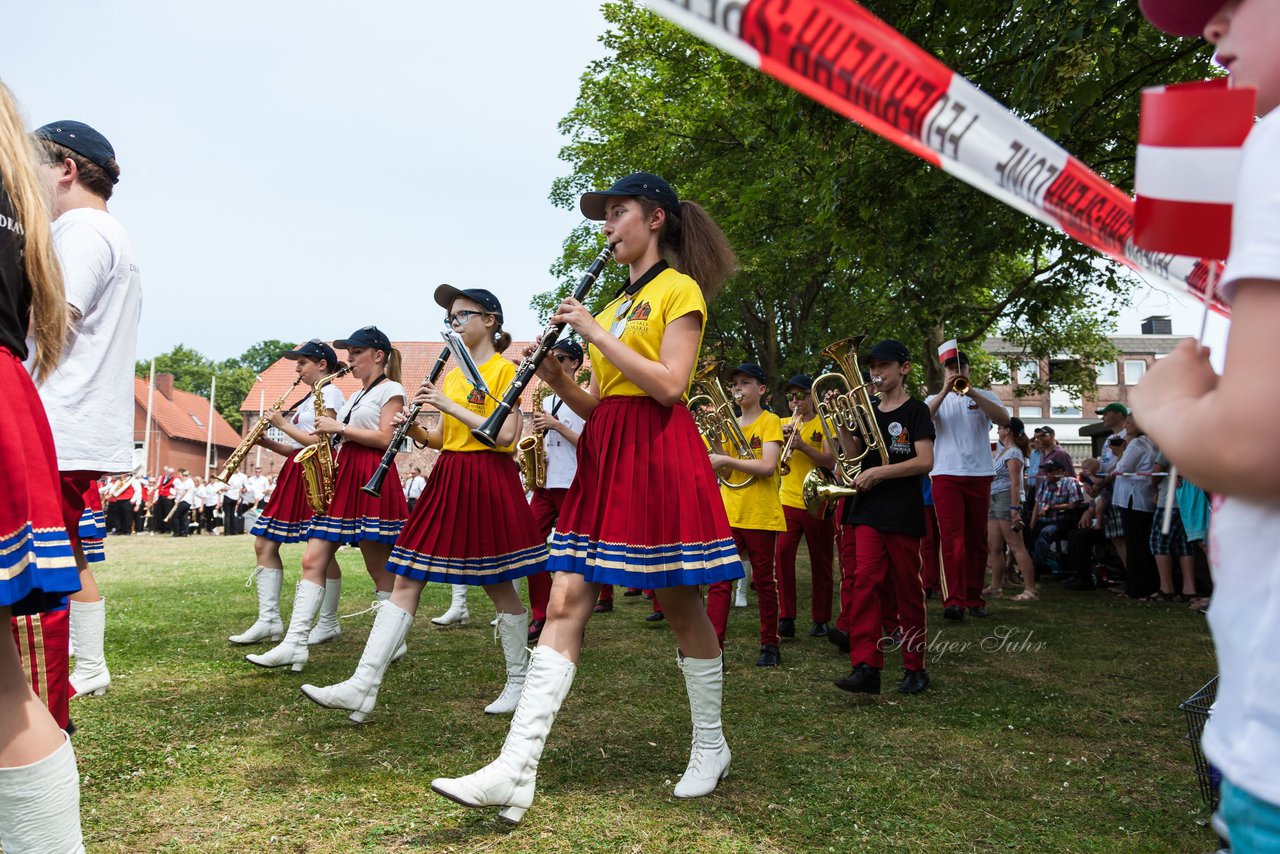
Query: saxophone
x=531, y=451
x=251, y=438
x=317, y=460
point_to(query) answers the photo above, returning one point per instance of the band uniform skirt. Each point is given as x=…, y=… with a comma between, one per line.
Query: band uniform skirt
x=287, y=516
x=471, y=525
x=37, y=566
x=93, y=525
x=353, y=514
x=645, y=508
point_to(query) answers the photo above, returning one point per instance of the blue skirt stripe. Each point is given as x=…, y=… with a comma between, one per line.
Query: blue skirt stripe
x=646, y=567
x=340, y=530
x=36, y=562
x=475, y=571
x=281, y=532
x=95, y=550
x=93, y=524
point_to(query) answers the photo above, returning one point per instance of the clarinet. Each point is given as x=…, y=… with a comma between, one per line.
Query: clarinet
x=487, y=433
x=374, y=486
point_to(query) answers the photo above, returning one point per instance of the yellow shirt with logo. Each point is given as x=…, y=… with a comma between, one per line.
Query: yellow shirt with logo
x=756, y=505
x=801, y=463
x=498, y=373
x=669, y=296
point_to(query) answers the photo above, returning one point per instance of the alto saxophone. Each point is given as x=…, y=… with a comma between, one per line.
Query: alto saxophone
x=532, y=451
x=317, y=460
x=251, y=438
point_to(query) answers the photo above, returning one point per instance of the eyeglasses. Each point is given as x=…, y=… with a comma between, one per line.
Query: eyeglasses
x=797, y=396
x=620, y=319
x=564, y=358
x=460, y=317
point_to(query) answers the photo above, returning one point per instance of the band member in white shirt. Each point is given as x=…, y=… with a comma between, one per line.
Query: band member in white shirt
x=413, y=487
x=234, y=501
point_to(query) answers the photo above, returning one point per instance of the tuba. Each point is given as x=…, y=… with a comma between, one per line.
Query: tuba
x=317, y=460
x=713, y=412
x=851, y=409
x=530, y=450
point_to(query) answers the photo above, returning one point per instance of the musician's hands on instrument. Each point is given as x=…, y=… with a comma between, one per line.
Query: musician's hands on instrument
x=868, y=478
x=429, y=395
x=576, y=315
x=326, y=426
x=720, y=461
x=277, y=418
x=400, y=417
x=543, y=421
x=1180, y=377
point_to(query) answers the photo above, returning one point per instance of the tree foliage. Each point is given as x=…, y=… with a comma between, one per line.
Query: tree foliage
x=194, y=372
x=839, y=231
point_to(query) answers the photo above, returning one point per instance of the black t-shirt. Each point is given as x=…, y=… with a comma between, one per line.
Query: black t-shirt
x=15, y=290
x=895, y=506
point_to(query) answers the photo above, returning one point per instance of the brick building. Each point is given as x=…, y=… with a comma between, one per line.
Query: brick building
x=179, y=428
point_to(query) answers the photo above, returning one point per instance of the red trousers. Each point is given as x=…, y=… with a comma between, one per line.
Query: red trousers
x=44, y=644
x=930, y=551
x=759, y=547
x=887, y=559
x=819, y=535
x=961, y=504
x=849, y=569
x=545, y=505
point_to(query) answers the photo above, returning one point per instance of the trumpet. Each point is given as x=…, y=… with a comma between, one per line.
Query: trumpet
x=716, y=420
x=789, y=447
x=251, y=438
x=960, y=385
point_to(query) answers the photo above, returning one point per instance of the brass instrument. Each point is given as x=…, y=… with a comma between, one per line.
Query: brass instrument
x=852, y=409
x=317, y=460
x=716, y=420
x=251, y=438
x=530, y=450
x=788, y=448
x=960, y=385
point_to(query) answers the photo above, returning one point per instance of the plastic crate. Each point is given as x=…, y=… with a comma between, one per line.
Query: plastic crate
x=1196, y=709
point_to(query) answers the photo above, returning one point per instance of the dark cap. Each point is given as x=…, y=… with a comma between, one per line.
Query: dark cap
x=1017, y=427
x=1116, y=440
x=889, y=350
x=1052, y=465
x=81, y=139
x=1114, y=407
x=569, y=347
x=1046, y=429
x=314, y=349
x=1180, y=17
x=643, y=185
x=752, y=370
x=801, y=381
x=366, y=336
x=446, y=294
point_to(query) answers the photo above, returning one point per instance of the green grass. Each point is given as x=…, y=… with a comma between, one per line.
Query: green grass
x=1072, y=746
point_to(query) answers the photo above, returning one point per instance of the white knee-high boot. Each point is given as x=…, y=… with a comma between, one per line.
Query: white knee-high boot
x=88, y=629
x=326, y=628
x=359, y=694
x=268, y=625
x=709, y=756
x=513, y=633
x=383, y=597
x=40, y=805
x=509, y=780
x=293, y=649
x=457, y=612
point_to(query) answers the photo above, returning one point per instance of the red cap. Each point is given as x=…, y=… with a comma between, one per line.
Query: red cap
x=1180, y=17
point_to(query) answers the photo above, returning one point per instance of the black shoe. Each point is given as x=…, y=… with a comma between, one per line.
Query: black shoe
x=913, y=681
x=787, y=627
x=839, y=638
x=863, y=679
x=819, y=630
x=769, y=656
x=535, y=629
x=953, y=612
x=632, y=591
x=604, y=606
x=655, y=617
x=979, y=612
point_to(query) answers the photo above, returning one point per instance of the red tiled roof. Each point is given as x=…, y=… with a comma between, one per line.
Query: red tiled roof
x=417, y=359
x=185, y=416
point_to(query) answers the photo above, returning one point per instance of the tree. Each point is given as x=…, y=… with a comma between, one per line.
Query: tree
x=839, y=231
x=194, y=372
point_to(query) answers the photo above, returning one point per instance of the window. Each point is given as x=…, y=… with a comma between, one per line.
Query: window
x=1133, y=371
x=1028, y=373
x=199, y=423
x=1063, y=405
x=1030, y=412
x=1107, y=373
x=275, y=434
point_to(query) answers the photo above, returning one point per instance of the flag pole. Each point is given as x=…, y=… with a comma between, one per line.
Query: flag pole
x=146, y=435
x=208, y=441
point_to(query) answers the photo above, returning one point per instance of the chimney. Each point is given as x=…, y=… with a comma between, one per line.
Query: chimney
x=1157, y=324
x=164, y=385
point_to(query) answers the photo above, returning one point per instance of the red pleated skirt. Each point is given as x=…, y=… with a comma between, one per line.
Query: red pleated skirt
x=92, y=528
x=645, y=508
x=472, y=524
x=287, y=516
x=37, y=566
x=354, y=515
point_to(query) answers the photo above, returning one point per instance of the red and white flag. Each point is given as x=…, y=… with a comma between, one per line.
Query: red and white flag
x=1189, y=149
x=949, y=350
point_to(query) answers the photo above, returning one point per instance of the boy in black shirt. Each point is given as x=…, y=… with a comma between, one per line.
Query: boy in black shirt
x=888, y=519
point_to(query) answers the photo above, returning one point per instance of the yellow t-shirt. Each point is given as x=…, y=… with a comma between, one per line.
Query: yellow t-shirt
x=801, y=464
x=756, y=506
x=669, y=296
x=498, y=373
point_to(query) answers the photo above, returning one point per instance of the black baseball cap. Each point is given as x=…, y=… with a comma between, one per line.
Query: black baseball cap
x=1116, y=440
x=570, y=347
x=889, y=350
x=446, y=294
x=1016, y=425
x=366, y=336
x=752, y=370
x=1052, y=465
x=644, y=185
x=1046, y=429
x=803, y=381
x=81, y=139
x=314, y=349
x=961, y=356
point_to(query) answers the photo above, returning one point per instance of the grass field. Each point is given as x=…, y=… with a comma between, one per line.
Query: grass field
x=1065, y=736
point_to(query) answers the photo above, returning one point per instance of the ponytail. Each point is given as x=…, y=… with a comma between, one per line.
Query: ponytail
x=693, y=243
x=1023, y=443
x=501, y=340
x=393, y=366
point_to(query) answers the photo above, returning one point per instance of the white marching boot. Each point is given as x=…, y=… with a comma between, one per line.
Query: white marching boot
x=293, y=649
x=709, y=756
x=268, y=627
x=457, y=612
x=40, y=805
x=359, y=694
x=509, y=780
x=326, y=628
x=384, y=596
x=513, y=631
x=740, y=593
x=88, y=626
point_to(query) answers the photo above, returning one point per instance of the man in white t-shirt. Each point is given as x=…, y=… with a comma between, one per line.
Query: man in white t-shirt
x=89, y=398
x=184, y=497
x=413, y=486
x=961, y=478
x=234, y=499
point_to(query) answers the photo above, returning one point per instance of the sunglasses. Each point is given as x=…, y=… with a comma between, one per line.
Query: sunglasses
x=564, y=357
x=461, y=317
x=797, y=395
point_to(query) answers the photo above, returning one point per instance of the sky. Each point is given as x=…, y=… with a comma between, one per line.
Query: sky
x=300, y=169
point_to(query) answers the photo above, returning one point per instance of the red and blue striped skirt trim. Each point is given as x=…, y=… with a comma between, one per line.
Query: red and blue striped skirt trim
x=354, y=515
x=287, y=516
